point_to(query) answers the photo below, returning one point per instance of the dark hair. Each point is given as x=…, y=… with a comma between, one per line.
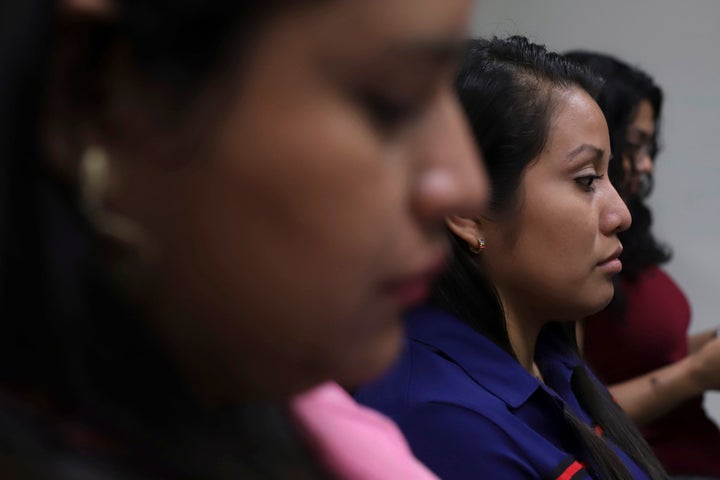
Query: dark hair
x=509, y=90
x=72, y=347
x=624, y=88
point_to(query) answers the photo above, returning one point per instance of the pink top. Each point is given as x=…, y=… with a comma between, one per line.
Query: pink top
x=352, y=441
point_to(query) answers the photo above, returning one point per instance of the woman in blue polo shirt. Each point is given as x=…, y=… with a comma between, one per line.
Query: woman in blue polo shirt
x=490, y=383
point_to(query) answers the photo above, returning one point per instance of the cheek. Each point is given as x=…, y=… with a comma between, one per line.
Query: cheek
x=551, y=260
x=627, y=165
x=565, y=262
x=281, y=242
x=558, y=232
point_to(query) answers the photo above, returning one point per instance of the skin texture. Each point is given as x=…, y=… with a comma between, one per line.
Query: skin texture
x=648, y=397
x=543, y=258
x=290, y=237
x=640, y=134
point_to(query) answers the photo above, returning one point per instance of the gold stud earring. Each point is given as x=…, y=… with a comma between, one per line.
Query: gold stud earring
x=475, y=250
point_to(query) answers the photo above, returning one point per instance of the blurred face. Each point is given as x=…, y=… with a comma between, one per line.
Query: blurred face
x=639, y=146
x=555, y=257
x=313, y=217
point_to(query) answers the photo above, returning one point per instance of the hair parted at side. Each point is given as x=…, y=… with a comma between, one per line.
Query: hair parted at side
x=499, y=73
x=509, y=89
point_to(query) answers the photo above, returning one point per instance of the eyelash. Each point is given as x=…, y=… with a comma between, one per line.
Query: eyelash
x=586, y=181
x=387, y=113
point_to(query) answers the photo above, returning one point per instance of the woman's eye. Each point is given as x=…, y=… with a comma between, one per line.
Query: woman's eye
x=388, y=113
x=632, y=148
x=587, y=181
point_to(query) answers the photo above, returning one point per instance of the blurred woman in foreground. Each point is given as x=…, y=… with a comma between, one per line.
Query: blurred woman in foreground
x=211, y=208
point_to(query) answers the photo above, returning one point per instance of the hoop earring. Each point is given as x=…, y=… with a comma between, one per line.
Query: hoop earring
x=475, y=250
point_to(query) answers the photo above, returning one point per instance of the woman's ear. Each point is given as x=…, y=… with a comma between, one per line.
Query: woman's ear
x=468, y=229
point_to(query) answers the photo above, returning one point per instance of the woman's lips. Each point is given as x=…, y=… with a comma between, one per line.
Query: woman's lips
x=411, y=292
x=413, y=289
x=611, y=266
x=612, y=263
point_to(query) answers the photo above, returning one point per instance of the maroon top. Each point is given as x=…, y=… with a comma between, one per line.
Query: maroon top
x=654, y=334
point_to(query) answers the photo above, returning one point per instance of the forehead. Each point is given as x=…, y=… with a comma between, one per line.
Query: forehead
x=577, y=120
x=403, y=17
x=644, y=119
x=326, y=43
x=365, y=24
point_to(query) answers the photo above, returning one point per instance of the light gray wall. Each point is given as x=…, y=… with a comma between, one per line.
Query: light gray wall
x=678, y=43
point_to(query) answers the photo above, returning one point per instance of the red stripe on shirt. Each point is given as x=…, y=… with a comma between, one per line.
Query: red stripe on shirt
x=570, y=471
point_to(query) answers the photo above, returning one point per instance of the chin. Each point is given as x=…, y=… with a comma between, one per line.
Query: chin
x=599, y=304
x=370, y=361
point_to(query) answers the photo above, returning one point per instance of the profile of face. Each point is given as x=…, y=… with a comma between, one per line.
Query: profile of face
x=290, y=245
x=639, y=151
x=554, y=255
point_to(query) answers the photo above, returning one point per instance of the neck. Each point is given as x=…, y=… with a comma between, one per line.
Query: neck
x=523, y=330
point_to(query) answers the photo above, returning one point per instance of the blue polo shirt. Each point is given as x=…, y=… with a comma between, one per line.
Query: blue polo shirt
x=470, y=411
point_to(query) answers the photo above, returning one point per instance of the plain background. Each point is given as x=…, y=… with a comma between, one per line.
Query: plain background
x=678, y=43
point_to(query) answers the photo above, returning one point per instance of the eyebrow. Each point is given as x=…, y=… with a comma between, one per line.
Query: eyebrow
x=585, y=147
x=438, y=52
x=643, y=134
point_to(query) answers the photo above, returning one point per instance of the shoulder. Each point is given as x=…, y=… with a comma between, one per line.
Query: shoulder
x=423, y=375
x=656, y=293
x=458, y=442
x=653, y=277
x=457, y=425
x=453, y=424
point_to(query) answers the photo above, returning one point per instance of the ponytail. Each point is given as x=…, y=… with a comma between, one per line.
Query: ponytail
x=616, y=425
x=602, y=459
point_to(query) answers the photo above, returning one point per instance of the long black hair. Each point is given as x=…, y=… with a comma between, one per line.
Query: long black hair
x=623, y=89
x=509, y=90
x=73, y=350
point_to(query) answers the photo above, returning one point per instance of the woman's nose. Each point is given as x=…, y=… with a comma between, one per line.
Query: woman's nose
x=454, y=180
